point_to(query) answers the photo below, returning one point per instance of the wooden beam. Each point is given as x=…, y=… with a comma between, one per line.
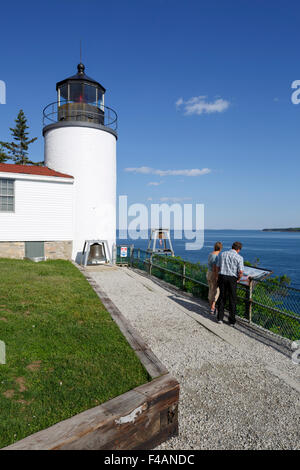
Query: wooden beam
x=139, y=419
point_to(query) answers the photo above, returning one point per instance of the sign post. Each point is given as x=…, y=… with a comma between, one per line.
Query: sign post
x=123, y=251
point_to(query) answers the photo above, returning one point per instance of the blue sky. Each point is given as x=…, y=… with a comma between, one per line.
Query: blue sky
x=228, y=66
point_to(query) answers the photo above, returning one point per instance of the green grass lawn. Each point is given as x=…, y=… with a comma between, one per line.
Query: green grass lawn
x=64, y=353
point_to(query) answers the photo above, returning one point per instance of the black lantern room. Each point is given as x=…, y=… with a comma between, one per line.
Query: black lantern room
x=80, y=98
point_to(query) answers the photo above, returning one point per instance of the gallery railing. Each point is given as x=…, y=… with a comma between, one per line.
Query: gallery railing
x=69, y=111
x=269, y=304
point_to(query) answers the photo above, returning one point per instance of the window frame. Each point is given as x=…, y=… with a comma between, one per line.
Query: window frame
x=13, y=196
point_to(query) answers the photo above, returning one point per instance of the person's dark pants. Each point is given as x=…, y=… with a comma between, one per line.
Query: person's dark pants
x=227, y=286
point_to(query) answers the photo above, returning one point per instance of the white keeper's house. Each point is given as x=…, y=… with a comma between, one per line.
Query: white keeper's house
x=51, y=211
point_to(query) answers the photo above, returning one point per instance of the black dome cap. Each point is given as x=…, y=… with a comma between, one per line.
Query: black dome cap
x=82, y=77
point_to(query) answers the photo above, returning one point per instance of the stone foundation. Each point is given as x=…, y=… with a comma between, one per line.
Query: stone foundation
x=12, y=250
x=53, y=250
x=58, y=250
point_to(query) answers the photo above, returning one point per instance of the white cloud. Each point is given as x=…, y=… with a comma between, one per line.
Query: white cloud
x=175, y=199
x=199, y=105
x=147, y=170
x=179, y=102
x=142, y=169
x=155, y=183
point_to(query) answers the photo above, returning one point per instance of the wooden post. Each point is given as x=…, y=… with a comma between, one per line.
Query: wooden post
x=183, y=276
x=249, y=292
x=131, y=254
x=139, y=255
x=150, y=265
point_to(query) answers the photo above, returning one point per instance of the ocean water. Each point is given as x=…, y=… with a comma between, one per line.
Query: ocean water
x=277, y=251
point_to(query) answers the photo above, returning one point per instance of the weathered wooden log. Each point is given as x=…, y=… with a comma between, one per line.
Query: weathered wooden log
x=139, y=419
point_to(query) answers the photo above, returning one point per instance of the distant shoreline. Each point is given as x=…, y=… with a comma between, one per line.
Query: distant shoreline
x=296, y=229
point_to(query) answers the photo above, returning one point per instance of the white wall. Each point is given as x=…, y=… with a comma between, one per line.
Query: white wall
x=43, y=210
x=89, y=155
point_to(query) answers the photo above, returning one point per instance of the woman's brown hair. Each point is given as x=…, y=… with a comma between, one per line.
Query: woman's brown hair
x=218, y=246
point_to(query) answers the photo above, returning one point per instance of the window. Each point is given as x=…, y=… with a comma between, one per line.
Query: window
x=76, y=92
x=64, y=92
x=89, y=93
x=7, y=195
x=34, y=250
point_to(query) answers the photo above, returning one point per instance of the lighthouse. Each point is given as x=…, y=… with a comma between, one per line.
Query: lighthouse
x=80, y=134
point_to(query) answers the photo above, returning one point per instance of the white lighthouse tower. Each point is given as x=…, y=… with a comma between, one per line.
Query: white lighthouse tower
x=80, y=140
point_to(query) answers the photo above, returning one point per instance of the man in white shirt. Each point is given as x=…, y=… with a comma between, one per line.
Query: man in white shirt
x=230, y=266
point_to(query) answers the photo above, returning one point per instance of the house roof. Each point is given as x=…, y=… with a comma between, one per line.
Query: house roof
x=31, y=170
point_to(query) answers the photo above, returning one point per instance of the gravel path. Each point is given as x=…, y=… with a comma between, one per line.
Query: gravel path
x=238, y=388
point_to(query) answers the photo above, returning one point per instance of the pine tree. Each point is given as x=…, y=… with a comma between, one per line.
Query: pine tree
x=18, y=149
x=3, y=155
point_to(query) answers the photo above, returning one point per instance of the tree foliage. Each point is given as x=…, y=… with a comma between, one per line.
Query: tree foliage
x=17, y=150
x=3, y=156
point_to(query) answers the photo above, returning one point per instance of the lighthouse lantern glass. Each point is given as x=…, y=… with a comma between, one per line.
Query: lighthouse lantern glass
x=89, y=93
x=76, y=92
x=99, y=98
x=80, y=93
x=63, y=90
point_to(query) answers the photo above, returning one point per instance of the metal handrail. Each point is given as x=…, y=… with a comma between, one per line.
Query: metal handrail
x=51, y=114
x=163, y=268
x=276, y=310
x=289, y=288
x=250, y=302
x=262, y=282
